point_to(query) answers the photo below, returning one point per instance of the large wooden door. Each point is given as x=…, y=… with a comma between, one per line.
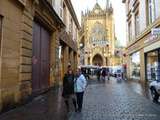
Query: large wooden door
x=40, y=60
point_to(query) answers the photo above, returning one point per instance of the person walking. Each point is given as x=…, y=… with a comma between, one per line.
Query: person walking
x=80, y=86
x=108, y=75
x=103, y=74
x=98, y=74
x=68, y=89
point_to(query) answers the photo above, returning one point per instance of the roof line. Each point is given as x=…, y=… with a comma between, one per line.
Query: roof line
x=71, y=9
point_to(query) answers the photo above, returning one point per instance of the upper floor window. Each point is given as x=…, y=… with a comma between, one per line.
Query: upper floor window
x=137, y=25
x=130, y=31
x=128, y=5
x=71, y=25
x=53, y=3
x=64, y=13
x=61, y=8
x=151, y=11
x=157, y=8
x=130, y=2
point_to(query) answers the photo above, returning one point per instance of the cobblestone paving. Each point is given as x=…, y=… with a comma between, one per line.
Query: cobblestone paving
x=116, y=101
x=49, y=106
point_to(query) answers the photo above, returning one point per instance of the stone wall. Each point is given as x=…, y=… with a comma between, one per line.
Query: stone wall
x=16, y=48
x=10, y=51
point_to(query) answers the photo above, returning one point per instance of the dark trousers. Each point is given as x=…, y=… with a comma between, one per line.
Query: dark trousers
x=67, y=98
x=79, y=100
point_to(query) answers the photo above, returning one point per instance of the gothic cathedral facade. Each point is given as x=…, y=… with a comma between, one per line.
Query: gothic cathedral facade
x=97, y=37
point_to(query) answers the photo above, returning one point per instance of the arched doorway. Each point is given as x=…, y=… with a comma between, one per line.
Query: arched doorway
x=97, y=60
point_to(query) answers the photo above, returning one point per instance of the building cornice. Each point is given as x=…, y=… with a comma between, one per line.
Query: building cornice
x=145, y=32
x=53, y=12
x=72, y=11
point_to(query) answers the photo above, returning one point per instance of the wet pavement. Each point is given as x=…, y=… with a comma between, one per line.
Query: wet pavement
x=117, y=100
x=109, y=100
x=49, y=106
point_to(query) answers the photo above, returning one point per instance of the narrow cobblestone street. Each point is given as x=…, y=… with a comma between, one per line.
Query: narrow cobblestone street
x=111, y=100
x=56, y=55
x=116, y=101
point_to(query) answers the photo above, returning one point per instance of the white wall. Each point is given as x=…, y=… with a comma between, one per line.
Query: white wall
x=142, y=14
x=157, y=3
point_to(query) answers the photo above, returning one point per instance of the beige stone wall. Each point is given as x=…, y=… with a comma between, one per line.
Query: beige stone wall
x=25, y=75
x=142, y=65
x=140, y=42
x=128, y=66
x=16, y=50
x=10, y=52
x=69, y=57
x=53, y=67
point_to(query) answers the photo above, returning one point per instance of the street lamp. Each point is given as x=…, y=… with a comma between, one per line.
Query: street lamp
x=81, y=45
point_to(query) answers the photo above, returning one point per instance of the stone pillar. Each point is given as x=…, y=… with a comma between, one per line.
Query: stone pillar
x=128, y=66
x=72, y=59
x=75, y=62
x=91, y=57
x=53, y=61
x=104, y=61
x=62, y=69
x=25, y=76
x=142, y=66
x=66, y=58
x=85, y=59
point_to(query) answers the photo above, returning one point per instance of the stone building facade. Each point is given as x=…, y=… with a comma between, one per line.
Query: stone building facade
x=68, y=38
x=97, y=37
x=30, y=39
x=143, y=54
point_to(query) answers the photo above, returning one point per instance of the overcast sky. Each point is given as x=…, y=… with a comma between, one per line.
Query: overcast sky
x=119, y=14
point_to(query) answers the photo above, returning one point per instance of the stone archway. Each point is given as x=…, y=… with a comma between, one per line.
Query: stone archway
x=97, y=60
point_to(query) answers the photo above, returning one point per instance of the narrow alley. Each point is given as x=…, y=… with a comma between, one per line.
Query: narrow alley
x=112, y=100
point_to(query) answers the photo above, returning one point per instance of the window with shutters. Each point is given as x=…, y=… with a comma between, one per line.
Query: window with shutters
x=137, y=28
x=151, y=11
x=53, y=3
x=130, y=31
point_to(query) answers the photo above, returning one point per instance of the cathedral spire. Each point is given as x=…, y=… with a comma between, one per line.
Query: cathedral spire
x=107, y=4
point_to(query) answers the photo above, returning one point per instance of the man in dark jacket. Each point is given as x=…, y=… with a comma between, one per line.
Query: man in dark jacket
x=68, y=89
x=98, y=74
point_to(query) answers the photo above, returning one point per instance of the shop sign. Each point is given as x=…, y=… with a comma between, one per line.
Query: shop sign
x=151, y=38
x=156, y=31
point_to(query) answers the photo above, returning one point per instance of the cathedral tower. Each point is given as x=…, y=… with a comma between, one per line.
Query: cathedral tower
x=98, y=35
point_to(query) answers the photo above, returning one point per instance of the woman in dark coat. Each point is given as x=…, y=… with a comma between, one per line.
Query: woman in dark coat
x=68, y=89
